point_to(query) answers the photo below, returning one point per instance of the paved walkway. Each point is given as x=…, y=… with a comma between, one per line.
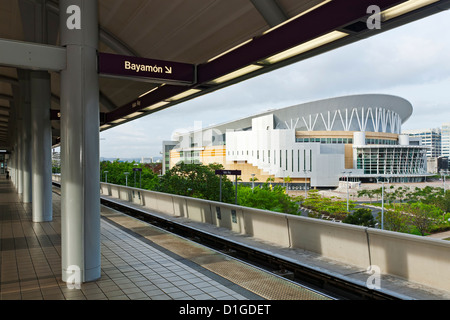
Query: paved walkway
x=139, y=262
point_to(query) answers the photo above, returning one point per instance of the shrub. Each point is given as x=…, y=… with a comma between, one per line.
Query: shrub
x=361, y=217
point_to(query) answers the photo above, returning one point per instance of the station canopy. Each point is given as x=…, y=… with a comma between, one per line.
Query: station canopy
x=193, y=47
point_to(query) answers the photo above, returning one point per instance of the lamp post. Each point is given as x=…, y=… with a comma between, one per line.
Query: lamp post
x=253, y=181
x=443, y=174
x=220, y=189
x=306, y=192
x=235, y=189
x=382, y=204
x=126, y=178
x=106, y=176
x=382, y=200
x=348, y=194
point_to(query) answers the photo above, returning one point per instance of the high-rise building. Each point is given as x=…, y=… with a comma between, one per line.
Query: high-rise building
x=430, y=138
x=167, y=147
x=445, y=140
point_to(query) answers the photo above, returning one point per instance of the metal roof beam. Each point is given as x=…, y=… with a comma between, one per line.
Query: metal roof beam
x=10, y=80
x=114, y=43
x=6, y=97
x=28, y=55
x=271, y=11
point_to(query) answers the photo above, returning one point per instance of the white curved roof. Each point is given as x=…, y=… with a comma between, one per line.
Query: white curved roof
x=393, y=103
x=371, y=112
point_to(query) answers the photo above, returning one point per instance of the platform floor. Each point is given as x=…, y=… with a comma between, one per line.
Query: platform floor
x=139, y=262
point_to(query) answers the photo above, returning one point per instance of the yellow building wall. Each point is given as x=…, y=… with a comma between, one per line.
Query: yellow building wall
x=217, y=154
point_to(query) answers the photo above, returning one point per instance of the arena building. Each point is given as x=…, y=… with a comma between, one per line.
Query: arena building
x=316, y=144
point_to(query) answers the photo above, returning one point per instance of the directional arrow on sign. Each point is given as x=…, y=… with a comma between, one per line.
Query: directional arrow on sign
x=145, y=69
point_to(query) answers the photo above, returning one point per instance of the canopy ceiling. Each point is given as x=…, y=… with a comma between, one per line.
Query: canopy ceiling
x=227, y=41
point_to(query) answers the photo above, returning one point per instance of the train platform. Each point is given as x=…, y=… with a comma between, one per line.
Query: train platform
x=139, y=262
x=394, y=287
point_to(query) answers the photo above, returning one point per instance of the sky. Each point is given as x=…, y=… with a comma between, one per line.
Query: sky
x=412, y=61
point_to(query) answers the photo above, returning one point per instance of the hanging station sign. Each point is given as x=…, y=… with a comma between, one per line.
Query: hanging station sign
x=144, y=69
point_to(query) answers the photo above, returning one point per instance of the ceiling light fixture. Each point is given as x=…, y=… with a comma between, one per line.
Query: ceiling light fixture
x=132, y=115
x=229, y=50
x=304, y=47
x=119, y=120
x=405, y=7
x=298, y=16
x=236, y=74
x=151, y=90
x=156, y=106
x=184, y=94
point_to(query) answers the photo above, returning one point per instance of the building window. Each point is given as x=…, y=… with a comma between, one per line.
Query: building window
x=286, y=159
x=280, y=159
x=292, y=160
x=304, y=159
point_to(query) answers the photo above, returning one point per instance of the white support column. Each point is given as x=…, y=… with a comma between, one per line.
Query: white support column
x=25, y=132
x=42, y=146
x=19, y=172
x=80, y=167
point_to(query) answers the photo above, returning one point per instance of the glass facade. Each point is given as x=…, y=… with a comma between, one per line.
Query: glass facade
x=325, y=140
x=391, y=160
x=345, y=141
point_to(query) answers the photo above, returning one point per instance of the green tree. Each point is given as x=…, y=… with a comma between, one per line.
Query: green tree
x=116, y=174
x=443, y=202
x=395, y=220
x=266, y=198
x=422, y=216
x=326, y=206
x=361, y=217
x=198, y=181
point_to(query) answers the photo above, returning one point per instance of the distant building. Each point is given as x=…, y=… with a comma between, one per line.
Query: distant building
x=56, y=158
x=430, y=138
x=437, y=164
x=314, y=144
x=146, y=160
x=167, y=147
x=445, y=140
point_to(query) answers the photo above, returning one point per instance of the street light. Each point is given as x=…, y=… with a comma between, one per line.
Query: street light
x=253, y=181
x=348, y=194
x=106, y=176
x=126, y=178
x=382, y=200
x=306, y=171
x=443, y=174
